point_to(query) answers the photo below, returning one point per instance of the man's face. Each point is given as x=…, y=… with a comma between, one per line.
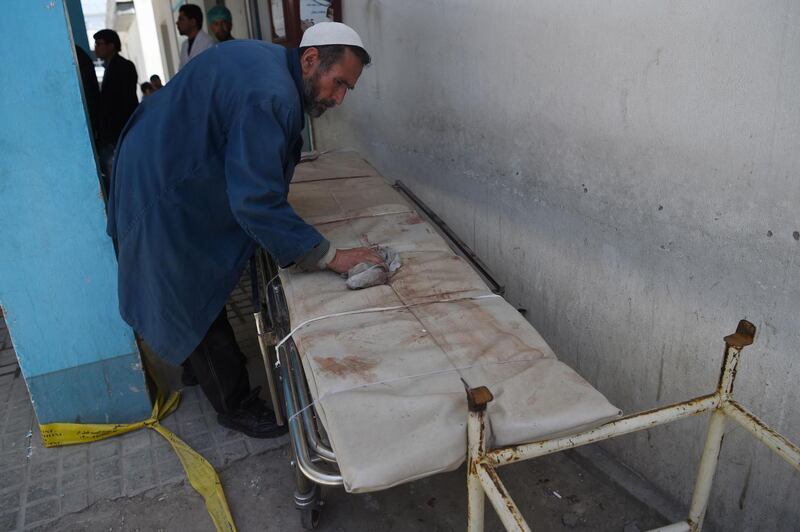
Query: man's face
x=221, y=29
x=103, y=50
x=185, y=24
x=327, y=89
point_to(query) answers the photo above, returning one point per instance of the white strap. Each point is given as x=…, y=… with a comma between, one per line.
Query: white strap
x=377, y=309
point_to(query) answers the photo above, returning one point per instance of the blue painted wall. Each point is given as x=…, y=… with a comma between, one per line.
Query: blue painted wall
x=58, y=284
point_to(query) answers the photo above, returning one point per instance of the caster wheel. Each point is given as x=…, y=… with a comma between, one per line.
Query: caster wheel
x=309, y=518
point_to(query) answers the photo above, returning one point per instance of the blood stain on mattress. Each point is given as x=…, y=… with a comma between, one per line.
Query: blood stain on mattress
x=346, y=366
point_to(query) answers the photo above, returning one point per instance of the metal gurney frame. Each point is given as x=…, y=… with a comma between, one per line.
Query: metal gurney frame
x=315, y=462
x=287, y=388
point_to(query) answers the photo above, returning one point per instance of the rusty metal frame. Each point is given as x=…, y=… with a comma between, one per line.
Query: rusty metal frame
x=483, y=482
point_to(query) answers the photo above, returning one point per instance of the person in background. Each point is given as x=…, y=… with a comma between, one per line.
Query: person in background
x=155, y=82
x=118, y=99
x=190, y=24
x=147, y=89
x=220, y=22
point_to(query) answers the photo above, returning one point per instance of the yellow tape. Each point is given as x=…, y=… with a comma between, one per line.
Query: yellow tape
x=201, y=474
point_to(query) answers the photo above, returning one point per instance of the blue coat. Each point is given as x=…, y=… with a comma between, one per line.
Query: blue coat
x=200, y=178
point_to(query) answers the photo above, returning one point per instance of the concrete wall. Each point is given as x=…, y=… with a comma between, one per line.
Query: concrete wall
x=630, y=170
x=132, y=50
x=167, y=37
x=149, y=38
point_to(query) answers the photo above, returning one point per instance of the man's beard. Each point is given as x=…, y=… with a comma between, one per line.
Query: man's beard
x=314, y=105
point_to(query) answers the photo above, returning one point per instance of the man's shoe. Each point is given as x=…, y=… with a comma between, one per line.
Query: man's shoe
x=252, y=418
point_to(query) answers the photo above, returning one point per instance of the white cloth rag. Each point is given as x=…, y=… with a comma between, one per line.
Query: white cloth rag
x=366, y=274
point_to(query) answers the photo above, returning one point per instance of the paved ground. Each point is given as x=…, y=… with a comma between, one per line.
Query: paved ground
x=555, y=494
x=135, y=482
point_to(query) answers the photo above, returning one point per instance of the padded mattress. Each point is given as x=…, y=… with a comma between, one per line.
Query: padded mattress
x=386, y=380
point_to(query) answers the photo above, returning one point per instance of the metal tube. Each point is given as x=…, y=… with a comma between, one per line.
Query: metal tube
x=706, y=470
x=734, y=343
x=266, y=267
x=304, y=463
x=728, y=372
x=683, y=526
x=476, y=446
x=307, y=430
x=324, y=452
x=263, y=345
x=775, y=441
x=307, y=493
x=503, y=503
x=462, y=247
x=625, y=425
x=268, y=273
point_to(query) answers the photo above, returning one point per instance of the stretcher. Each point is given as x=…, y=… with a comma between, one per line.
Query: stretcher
x=401, y=381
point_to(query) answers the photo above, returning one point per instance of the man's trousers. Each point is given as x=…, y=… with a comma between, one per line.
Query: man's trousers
x=220, y=366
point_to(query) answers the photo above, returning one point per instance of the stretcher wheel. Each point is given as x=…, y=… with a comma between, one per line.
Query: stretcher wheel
x=309, y=518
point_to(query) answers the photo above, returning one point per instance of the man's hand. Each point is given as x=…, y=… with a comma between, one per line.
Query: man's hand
x=347, y=258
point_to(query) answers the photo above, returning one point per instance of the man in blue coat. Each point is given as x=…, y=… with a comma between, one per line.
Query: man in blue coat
x=201, y=178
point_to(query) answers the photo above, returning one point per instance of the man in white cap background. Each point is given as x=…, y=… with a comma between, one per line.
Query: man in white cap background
x=201, y=178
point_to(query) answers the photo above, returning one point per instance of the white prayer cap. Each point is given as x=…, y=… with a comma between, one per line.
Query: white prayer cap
x=324, y=33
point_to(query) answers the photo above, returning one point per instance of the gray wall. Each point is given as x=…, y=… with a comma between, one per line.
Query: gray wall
x=630, y=170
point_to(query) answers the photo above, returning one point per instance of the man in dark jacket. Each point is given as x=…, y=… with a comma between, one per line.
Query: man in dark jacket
x=118, y=98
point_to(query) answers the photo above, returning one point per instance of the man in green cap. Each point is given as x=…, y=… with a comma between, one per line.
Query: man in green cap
x=220, y=23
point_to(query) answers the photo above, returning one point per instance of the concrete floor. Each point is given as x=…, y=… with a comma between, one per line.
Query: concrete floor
x=134, y=482
x=554, y=493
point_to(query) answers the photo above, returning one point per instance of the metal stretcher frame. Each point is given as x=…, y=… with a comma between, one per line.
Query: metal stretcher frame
x=314, y=461
x=482, y=477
